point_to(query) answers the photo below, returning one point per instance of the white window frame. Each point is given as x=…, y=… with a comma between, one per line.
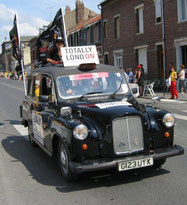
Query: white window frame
x=178, y=44
x=180, y=11
x=118, y=58
x=158, y=11
x=117, y=16
x=106, y=23
x=140, y=10
x=138, y=48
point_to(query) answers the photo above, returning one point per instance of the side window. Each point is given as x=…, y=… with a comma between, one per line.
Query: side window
x=46, y=86
x=36, y=86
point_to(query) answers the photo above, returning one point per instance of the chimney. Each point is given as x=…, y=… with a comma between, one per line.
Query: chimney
x=67, y=9
x=90, y=15
x=79, y=11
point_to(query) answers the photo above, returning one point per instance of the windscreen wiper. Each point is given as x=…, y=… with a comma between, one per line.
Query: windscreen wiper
x=116, y=91
x=90, y=93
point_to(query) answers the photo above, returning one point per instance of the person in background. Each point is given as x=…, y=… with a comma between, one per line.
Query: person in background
x=135, y=80
x=140, y=79
x=171, y=65
x=126, y=73
x=173, y=87
x=55, y=56
x=142, y=69
x=181, y=78
x=131, y=75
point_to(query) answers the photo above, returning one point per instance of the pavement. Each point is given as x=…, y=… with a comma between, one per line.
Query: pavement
x=166, y=96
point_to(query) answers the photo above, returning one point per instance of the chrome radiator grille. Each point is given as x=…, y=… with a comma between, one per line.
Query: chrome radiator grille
x=127, y=134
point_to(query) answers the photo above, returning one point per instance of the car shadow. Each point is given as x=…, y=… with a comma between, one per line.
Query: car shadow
x=13, y=122
x=44, y=170
x=1, y=124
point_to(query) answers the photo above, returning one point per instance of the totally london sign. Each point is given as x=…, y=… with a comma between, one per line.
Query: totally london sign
x=74, y=56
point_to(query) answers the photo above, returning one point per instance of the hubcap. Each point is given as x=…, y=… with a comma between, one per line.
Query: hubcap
x=64, y=160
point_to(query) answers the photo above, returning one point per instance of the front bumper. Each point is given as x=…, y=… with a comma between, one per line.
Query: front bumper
x=95, y=165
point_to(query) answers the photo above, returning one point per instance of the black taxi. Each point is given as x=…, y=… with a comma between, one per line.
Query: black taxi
x=87, y=116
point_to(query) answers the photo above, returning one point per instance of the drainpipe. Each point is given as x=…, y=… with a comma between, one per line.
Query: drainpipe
x=102, y=46
x=164, y=42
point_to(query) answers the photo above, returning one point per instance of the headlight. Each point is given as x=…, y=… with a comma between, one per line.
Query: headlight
x=168, y=120
x=80, y=132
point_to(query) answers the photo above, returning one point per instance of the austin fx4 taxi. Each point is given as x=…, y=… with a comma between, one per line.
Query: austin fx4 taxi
x=87, y=116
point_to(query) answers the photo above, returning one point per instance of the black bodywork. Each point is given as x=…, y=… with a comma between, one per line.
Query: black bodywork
x=100, y=152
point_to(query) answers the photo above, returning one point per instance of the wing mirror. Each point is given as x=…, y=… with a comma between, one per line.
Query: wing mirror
x=65, y=111
x=155, y=100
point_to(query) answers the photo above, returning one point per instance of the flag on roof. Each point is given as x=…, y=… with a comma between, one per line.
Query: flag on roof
x=55, y=32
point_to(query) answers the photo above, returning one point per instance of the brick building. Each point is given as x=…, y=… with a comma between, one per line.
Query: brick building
x=6, y=56
x=33, y=52
x=77, y=15
x=87, y=33
x=8, y=62
x=132, y=34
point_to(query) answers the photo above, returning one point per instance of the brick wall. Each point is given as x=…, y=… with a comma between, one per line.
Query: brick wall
x=152, y=32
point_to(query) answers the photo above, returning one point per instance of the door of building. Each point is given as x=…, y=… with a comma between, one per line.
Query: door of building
x=184, y=55
x=160, y=64
x=142, y=58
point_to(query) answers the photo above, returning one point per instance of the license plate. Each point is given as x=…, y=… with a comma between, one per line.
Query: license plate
x=134, y=164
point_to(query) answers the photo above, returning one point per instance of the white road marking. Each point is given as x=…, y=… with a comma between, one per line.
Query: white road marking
x=184, y=110
x=12, y=86
x=181, y=117
x=22, y=130
x=172, y=101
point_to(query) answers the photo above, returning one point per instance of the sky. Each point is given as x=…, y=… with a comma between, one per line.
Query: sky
x=33, y=14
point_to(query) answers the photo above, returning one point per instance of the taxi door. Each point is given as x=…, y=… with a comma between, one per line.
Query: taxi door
x=41, y=113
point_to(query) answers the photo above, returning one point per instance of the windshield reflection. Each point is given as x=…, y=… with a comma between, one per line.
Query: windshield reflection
x=73, y=86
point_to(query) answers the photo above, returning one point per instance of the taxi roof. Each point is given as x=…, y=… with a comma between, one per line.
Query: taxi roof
x=58, y=70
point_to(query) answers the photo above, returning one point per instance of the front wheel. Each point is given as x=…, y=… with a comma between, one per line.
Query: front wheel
x=64, y=159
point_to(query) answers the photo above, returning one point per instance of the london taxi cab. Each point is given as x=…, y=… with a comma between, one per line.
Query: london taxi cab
x=86, y=115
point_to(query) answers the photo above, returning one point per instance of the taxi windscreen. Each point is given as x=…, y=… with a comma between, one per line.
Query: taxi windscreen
x=73, y=86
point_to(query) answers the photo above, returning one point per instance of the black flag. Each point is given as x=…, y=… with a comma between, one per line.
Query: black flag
x=46, y=40
x=16, y=48
x=15, y=40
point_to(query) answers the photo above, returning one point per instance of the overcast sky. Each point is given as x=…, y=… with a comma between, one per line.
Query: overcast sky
x=33, y=14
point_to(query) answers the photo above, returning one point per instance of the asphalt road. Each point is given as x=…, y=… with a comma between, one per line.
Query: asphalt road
x=29, y=177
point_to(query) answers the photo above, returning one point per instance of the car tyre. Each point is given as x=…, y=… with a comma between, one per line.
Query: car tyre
x=30, y=133
x=64, y=159
x=158, y=163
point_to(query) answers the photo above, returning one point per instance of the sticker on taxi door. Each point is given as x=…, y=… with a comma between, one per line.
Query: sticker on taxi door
x=37, y=127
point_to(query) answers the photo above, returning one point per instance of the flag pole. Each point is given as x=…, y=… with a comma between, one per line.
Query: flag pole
x=64, y=27
x=21, y=59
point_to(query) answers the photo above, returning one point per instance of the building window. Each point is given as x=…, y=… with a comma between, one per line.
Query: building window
x=106, y=58
x=116, y=27
x=158, y=11
x=139, y=20
x=91, y=34
x=85, y=36
x=118, y=59
x=141, y=57
x=182, y=10
x=99, y=31
x=105, y=29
